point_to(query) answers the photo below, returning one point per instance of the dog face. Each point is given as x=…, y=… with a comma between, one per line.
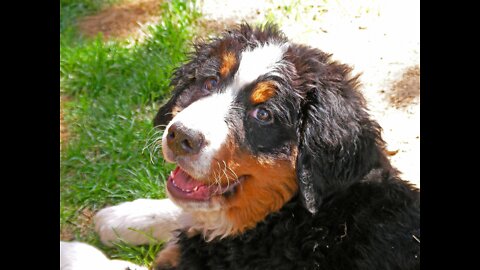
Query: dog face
x=254, y=119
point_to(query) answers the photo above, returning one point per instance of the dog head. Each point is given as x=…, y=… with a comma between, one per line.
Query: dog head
x=255, y=120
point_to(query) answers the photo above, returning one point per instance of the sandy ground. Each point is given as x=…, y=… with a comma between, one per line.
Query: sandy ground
x=380, y=39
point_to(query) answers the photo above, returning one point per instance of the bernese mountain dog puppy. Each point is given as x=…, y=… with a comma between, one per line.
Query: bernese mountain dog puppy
x=279, y=166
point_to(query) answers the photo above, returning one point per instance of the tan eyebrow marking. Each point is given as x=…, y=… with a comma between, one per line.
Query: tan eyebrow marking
x=228, y=61
x=176, y=109
x=262, y=92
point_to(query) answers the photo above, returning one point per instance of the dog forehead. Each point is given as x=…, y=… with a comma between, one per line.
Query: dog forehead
x=253, y=62
x=258, y=61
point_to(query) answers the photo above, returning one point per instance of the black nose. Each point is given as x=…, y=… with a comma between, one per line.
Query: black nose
x=184, y=141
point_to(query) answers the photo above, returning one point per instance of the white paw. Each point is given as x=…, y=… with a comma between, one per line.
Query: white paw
x=80, y=256
x=135, y=221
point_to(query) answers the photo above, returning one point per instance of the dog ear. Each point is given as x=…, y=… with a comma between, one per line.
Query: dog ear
x=338, y=142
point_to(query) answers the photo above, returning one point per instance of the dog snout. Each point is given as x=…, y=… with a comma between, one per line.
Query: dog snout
x=184, y=141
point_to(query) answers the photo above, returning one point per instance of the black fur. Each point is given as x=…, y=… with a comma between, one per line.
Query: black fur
x=371, y=225
x=352, y=211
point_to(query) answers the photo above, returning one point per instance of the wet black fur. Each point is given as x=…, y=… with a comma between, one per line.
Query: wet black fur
x=352, y=210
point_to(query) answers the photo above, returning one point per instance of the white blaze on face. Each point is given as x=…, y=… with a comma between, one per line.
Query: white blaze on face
x=257, y=62
x=208, y=115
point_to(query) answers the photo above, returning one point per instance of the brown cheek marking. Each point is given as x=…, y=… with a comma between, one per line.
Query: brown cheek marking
x=228, y=61
x=269, y=186
x=266, y=191
x=262, y=92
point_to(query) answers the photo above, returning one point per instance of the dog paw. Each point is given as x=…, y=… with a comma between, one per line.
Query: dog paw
x=168, y=258
x=82, y=256
x=138, y=222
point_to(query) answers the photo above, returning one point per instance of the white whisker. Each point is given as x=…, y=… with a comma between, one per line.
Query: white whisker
x=225, y=173
x=153, y=143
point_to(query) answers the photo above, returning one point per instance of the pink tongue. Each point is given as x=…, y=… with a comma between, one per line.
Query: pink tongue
x=184, y=181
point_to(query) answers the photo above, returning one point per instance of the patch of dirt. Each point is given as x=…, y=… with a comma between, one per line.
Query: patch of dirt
x=122, y=20
x=82, y=226
x=405, y=90
x=66, y=233
x=213, y=27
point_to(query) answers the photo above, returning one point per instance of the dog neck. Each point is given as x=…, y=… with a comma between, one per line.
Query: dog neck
x=210, y=224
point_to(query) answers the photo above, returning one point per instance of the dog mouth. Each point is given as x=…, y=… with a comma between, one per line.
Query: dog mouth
x=183, y=186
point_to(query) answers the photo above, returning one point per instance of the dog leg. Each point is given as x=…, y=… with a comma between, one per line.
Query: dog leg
x=133, y=222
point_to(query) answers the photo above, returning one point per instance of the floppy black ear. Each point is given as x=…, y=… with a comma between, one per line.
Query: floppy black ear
x=338, y=142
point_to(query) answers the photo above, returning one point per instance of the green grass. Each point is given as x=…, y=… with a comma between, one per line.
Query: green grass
x=113, y=89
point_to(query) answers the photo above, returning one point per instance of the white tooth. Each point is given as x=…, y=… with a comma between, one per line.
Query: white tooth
x=196, y=188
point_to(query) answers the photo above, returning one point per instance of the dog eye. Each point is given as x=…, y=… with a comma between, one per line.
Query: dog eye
x=210, y=83
x=263, y=115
